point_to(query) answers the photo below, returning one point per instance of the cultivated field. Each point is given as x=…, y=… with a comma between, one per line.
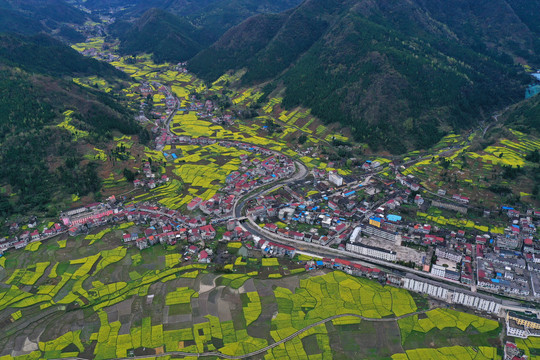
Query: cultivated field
x=91, y=297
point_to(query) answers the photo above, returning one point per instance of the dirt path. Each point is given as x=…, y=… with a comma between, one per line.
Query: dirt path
x=263, y=350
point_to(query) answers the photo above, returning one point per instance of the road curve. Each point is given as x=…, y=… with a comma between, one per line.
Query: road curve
x=265, y=349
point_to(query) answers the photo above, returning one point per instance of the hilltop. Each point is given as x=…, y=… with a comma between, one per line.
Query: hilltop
x=166, y=36
x=213, y=16
x=399, y=74
x=33, y=16
x=178, y=30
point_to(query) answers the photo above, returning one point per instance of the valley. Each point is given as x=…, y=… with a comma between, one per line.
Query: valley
x=217, y=211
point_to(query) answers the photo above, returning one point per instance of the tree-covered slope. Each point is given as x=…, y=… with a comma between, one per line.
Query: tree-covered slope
x=524, y=116
x=398, y=73
x=220, y=15
x=166, y=36
x=40, y=163
x=195, y=25
x=45, y=55
x=235, y=49
x=213, y=16
x=33, y=16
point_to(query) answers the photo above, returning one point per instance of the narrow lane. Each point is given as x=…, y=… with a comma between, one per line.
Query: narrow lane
x=265, y=349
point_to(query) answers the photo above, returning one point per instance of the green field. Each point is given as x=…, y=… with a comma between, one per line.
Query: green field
x=91, y=297
x=128, y=300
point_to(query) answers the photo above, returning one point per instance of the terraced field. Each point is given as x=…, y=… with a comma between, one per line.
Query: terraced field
x=91, y=297
x=105, y=301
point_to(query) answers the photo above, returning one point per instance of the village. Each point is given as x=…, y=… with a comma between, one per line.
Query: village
x=352, y=215
x=384, y=227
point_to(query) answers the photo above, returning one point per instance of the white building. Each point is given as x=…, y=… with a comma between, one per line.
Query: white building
x=448, y=254
x=334, y=178
x=438, y=270
x=372, y=251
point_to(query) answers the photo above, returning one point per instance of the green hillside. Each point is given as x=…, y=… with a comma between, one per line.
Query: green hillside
x=40, y=163
x=525, y=116
x=195, y=26
x=33, y=16
x=45, y=55
x=213, y=16
x=398, y=73
x=168, y=37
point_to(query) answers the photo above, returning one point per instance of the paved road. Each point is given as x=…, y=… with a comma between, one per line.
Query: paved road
x=265, y=349
x=300, y=174
x=324, y=251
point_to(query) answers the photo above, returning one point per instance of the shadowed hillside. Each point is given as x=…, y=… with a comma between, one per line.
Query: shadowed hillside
x=398, y=73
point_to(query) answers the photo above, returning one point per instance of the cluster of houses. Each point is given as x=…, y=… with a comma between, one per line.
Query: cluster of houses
x=20, y=241
x=104, y=56
x=150, y=179
x=169, y=234
x=169, y=100
x=218, y=206
x=255, y=172
x=507, y=263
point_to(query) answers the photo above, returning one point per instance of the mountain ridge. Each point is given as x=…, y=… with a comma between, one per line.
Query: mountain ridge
x=34, y=16
x=385, y=68
x=167, y=36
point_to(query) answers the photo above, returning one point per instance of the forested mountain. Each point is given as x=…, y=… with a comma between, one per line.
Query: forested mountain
x=33, y=16
x=196, y=25
x=45, y=55
x=220, y=15
x=398, y=73
x=166, y=36
x=214, y=16
x=39, y=161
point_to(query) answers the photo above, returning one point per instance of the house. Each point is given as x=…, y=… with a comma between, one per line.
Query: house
x=20, y=244
x=335, y=178
x=231, y=224
x=153, y=240
x=227, y=236
x=35, y=235
x=149, y=232
x=141, y=243
x=207, y=232
x=341, y=228
x=194, y=204
x=48, y=232
x=192, y=249
x=203, y=257
x=271, y=227
x=461, y=199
